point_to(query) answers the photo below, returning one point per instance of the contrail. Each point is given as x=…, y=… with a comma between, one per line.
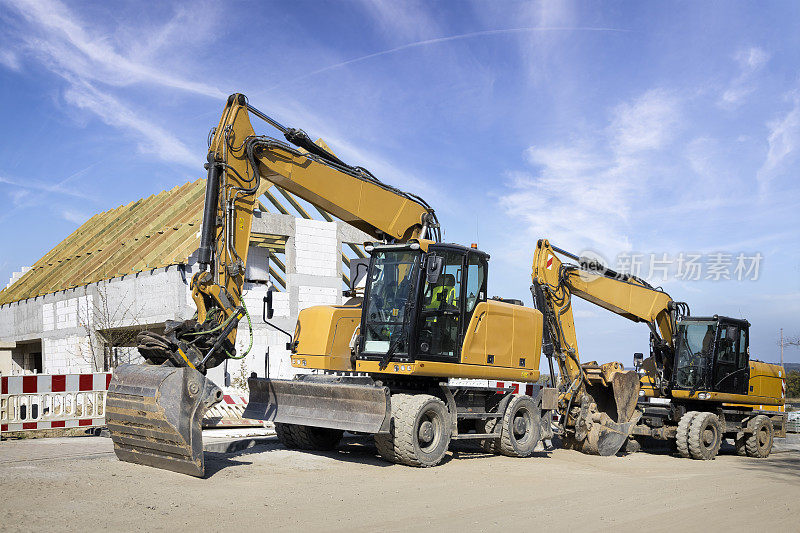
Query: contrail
x=439, y=40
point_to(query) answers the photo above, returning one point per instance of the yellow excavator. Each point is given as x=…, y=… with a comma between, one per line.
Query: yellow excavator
x=697, y=387
x=384, y=361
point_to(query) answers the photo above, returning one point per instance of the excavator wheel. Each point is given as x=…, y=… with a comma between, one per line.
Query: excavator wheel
x=297, y=437
x=740, y=442
x=705, y=436
x=759, y=442
x=522, y=427
x=420, y=433
x=682, y=435
x=487, y=426
x=632, y=445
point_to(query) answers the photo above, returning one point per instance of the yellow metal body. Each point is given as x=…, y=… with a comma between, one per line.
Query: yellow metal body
x=510, y=333
x=765, y=390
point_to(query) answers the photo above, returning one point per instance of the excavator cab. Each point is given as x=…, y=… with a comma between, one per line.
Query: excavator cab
x=418, y=303
x=712, y=355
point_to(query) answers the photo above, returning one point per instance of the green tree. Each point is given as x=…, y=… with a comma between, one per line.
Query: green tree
x=793, y=384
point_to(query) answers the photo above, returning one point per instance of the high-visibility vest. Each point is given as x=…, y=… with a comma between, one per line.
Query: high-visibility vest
x=449, y=296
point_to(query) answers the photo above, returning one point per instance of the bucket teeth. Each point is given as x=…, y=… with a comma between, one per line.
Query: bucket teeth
x=154, y=415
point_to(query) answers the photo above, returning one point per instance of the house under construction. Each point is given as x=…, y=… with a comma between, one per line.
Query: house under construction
x=79, y=308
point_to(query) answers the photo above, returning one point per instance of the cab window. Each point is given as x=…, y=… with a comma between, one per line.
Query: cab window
x=476, y=283
x=727, y=349
x=743, y=355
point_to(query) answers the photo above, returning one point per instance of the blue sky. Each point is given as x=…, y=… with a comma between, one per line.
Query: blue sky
x=638, y=128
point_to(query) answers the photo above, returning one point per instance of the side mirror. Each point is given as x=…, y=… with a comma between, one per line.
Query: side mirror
x=638, y=358
x=268, y=311
x=433, y=269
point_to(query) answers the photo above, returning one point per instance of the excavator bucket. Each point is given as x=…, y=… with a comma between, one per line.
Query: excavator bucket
x=350, y=407
x=154, y=414
x=610, y=424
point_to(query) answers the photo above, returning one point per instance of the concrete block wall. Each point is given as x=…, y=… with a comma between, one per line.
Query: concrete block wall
x=68, y=355
x=316, y=248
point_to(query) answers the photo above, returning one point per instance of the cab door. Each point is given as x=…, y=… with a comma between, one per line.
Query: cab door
x=731, y=369
x=441, y=311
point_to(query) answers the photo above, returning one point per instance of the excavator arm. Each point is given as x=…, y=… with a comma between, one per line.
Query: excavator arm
x=154, y=411
x=598, y=402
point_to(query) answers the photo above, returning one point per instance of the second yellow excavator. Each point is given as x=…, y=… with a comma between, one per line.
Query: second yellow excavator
x=698, y=386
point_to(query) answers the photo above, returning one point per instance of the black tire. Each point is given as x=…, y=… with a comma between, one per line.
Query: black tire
x=740, y=443
x=384, y=442
x=522, y=427
x=705, y=436
x=759, y=442
x=488, y=426
x=420, y=433
x=682, y=435
x=632, y=445
x=296, y=437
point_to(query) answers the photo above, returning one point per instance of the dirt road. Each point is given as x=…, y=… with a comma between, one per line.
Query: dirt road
x=351, y=489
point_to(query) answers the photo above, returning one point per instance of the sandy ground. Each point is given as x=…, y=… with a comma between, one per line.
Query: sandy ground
x=86, y=488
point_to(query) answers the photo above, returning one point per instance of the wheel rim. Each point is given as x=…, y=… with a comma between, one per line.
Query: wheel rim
x=429, y=431
x=763, y=437
x=522, y=425
x=710, y=436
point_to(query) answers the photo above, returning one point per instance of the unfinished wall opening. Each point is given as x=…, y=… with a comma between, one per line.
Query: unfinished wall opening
x=27, y=357
x=119, y=344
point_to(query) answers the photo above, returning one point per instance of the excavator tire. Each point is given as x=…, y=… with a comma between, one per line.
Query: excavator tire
x=682, y=435
x=705, y=436
x=420, y=433
x=522, y=427
x=759, y=442
x=385, y=445
x=632, y=445
x=740, y=442
x=487, y=426
x=296, y=437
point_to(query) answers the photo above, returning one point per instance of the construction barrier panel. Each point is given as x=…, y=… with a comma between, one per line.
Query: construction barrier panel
x=52, y=401
x=60, y=401
x=228, y=413
x=793, y=422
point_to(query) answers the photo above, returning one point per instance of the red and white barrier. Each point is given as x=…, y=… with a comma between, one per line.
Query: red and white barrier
x=228, y=413
x=52, y=401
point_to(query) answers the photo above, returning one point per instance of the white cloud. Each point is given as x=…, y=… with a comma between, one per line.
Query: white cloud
x=152, y=138
x=403, y=21
x=73, y=216
x=750, y=61
x=61, y=40
x=581, y=194
x=94, y=63
x=783, y=141
x=24, y=186
x=10, y=60
x=646, y=123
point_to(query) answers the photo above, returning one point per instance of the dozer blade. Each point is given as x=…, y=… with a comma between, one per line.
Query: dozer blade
x=361, y=408
x=615, y=417
x=154, y=414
